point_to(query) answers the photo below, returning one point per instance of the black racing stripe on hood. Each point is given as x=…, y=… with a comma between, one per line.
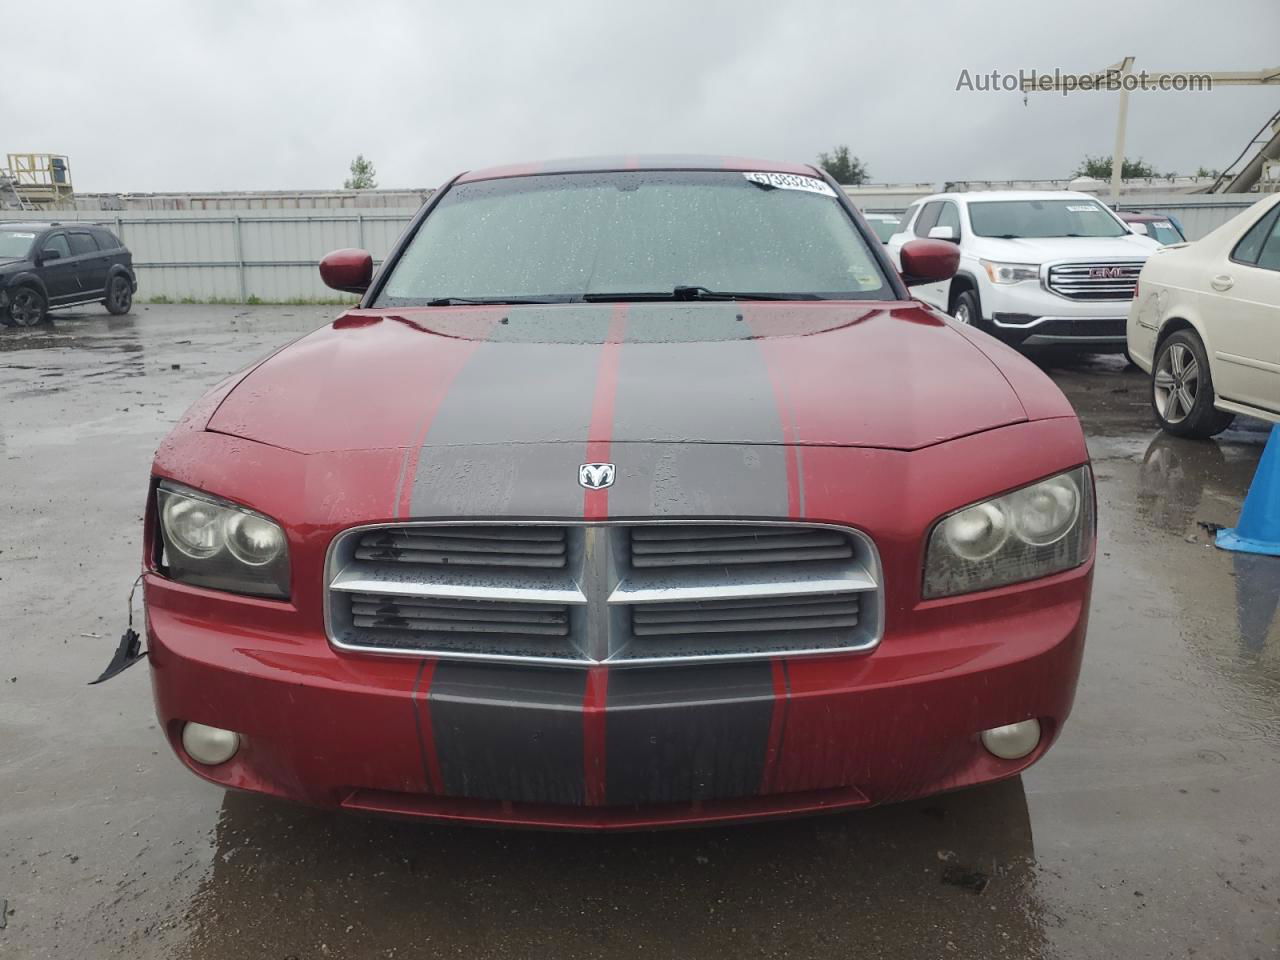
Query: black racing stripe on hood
x=497, y=442
x=673, y=368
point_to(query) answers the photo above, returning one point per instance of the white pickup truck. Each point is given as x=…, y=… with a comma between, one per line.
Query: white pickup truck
x=1036, y=267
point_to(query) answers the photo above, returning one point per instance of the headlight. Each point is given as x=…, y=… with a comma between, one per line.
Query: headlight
x=1043, y=528
x=212, y=542
x=1010, y=272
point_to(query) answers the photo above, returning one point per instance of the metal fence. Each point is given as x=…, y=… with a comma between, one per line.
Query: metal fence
x=272, y=255
x=222, y=255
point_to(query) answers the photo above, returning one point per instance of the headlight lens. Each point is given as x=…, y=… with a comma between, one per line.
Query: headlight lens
x=210, y=542
x=1043, y=528
x=1010, y=272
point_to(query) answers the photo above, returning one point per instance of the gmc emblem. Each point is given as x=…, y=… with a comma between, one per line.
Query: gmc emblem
x=1106, y=273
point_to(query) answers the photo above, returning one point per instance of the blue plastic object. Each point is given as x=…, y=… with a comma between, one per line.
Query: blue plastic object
x=1259, y=528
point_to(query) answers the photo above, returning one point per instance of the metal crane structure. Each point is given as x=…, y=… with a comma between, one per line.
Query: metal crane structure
x=1113, y=78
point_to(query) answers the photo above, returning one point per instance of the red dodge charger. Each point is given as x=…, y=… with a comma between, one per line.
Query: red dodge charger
x=636, y=492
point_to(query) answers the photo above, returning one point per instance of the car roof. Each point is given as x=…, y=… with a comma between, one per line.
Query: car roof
x=980, y=195
x=1131, y=217
x=636, y=162
x=50, y=225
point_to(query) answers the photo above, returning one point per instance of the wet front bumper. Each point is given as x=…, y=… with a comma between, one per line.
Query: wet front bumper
x=603, y=748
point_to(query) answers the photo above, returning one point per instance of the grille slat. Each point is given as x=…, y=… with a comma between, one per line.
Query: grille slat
x=730, y=616
x=729, y=544
x=501, y=547
x=374, y=611
x=1104, y=280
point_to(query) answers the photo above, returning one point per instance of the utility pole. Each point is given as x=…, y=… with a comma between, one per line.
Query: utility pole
x=1113, y=78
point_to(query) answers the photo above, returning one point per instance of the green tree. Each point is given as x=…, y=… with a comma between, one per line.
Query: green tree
x=1100, y=168
x=846, y=169
x=1206, y=172
x=363, y=176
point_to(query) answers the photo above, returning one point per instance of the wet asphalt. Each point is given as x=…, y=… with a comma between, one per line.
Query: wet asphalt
x=1149, y=831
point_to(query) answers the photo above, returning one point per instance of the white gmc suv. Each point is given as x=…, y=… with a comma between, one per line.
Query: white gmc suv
x=1036, y=267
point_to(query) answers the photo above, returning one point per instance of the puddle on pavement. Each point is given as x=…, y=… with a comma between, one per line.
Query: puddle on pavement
x=301, y=882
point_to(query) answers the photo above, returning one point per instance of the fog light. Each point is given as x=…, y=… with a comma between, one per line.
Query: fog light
x=209, y=745
x=1013, y=741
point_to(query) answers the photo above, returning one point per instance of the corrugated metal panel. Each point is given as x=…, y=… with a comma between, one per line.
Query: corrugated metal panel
x=234, y=255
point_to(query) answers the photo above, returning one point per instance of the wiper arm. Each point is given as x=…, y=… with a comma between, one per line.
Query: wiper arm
x=494, y=301
x=692, y=292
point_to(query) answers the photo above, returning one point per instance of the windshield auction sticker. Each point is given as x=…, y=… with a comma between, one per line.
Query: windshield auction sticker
x=790, y=181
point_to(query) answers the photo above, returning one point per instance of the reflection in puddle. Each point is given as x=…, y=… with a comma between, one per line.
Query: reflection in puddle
x=287, y=880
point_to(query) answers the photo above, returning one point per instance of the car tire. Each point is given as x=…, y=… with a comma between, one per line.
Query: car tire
x=967, y=309
x=1182, y=389
x=119, y=299
x=27, y=307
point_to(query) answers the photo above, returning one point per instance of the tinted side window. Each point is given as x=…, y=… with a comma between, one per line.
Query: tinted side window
x=107, y=240
x=928, y=217
x=906, y=217
x=950, y=217
x=1269, y=258
x=1250, y=244
x=57, y=242
x=82, y=243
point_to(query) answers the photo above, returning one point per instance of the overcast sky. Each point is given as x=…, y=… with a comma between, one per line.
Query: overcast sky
x=229, y=95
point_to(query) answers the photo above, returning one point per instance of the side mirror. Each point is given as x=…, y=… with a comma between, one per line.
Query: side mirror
x=943, y=233
x=929, y=261
x=350, y=271
x=50, y=254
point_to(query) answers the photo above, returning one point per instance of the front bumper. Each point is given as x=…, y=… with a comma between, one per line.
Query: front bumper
x=1103, y=333
x=619, y=748
x=1030, y=315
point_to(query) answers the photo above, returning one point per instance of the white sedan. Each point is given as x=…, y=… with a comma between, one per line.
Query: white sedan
x=1205, y=322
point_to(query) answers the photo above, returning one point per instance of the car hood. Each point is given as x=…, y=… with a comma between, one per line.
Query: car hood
x=1043, y=249
x=889, y=375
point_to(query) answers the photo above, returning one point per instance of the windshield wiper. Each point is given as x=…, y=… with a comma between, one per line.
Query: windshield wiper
x=693, y=292
x=495, y=301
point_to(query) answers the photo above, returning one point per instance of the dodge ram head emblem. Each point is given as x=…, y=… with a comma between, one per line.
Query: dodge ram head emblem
x=596, y=476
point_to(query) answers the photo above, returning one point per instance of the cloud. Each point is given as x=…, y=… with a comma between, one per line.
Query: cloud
x=150, y=96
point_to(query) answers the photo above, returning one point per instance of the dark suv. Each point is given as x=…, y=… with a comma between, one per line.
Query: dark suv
x=44, y=266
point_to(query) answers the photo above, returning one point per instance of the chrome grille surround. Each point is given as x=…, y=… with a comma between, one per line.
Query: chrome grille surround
x=760, y=590
x=1091, y=280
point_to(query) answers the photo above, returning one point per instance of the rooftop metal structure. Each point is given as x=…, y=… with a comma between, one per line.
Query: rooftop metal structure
x=37, y=181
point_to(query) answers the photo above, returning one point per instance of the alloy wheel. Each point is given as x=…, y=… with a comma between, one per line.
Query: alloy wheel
x=961, y=314
x=24, y=309
x=120, y=294
x=1177, y=383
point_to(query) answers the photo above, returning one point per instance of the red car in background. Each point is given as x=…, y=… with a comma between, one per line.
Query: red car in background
x=1159, y=227
x=634, y=493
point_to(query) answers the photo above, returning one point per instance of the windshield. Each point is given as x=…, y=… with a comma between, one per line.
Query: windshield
x=14, y=244
x=1164, y=231
x=1043, y=218
x=885, y=227
x=568, y=237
